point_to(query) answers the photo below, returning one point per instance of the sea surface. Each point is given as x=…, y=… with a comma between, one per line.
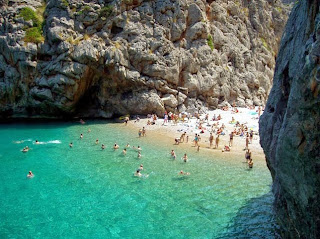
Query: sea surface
x=87, y=192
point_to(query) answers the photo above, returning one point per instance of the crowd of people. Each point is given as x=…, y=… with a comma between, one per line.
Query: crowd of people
x=214, y=125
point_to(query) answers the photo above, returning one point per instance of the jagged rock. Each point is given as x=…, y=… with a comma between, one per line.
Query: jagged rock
x=85, y=52
x=290, y=125
x=101, y=52
x=41, y=94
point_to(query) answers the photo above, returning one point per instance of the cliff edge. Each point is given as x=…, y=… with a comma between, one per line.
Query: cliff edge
x=290, y=125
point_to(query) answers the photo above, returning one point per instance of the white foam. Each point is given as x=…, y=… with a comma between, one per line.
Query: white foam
x=54, y=142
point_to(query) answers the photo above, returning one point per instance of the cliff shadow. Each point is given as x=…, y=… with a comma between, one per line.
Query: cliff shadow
x=257, y=219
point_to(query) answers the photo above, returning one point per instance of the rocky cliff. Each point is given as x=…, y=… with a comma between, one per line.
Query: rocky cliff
x=103, y=58
x=290, y=125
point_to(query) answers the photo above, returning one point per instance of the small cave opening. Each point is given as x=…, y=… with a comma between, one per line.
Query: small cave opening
x=116, y=30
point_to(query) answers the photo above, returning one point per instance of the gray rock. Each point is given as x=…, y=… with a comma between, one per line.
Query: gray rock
x=170, y=100
x=290, y=125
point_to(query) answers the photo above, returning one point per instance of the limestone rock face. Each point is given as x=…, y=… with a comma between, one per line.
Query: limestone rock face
x=290, y=125
x=96, y=56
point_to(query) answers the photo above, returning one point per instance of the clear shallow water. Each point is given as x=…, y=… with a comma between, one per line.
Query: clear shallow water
x=86, y=192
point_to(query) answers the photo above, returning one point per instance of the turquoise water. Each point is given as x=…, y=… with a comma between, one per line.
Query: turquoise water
x=86, y=192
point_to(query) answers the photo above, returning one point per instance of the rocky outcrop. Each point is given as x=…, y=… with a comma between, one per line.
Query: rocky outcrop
x=105, y=58
x=290, y=125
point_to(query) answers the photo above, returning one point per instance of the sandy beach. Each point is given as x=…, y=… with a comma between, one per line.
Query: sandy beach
x=170, y=131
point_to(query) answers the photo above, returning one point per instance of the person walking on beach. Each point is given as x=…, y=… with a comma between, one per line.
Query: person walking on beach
x=259, y=111
x=231, y=139
x=247, y=141
x=251, y=136
x=196, y=139
x=217, y=142
x=140, y=132
x=211, y=140
x=126, y=119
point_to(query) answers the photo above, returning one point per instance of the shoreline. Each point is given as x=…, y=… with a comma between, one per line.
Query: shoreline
x=168, y=133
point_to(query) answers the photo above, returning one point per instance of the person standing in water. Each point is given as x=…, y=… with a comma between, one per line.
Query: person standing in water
x=250, y=163
x=124, y=152
x=81, y=136
x=173, y=154
x=71, y=145
x=185, y=158
x=248, y=155
x=97, y=141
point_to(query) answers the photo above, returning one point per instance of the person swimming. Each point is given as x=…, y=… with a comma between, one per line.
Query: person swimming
x=25, y=149
x=30, y=175
x=137, y=173
x=115, y=146
x=185, y=158
x=81, y=136
x=71, y=145
x=139, y=148
x=124, y=151
x=128, y=145
x=103, y=146
x=141, y=167
x=37, y=142
x=183, y=173
x=97, y=141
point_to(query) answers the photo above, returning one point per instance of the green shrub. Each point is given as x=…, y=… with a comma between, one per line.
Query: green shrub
x=28, y=14
x=210, y=42
x=106, y=11
x=65, y=3
x=264, y=43
x=85, y=9
x=34, y=34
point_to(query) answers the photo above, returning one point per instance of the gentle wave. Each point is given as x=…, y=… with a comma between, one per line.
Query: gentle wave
x=22, y=141
x=50, y=142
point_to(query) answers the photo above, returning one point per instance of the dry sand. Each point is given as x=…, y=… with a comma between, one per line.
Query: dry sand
x=167, y=133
